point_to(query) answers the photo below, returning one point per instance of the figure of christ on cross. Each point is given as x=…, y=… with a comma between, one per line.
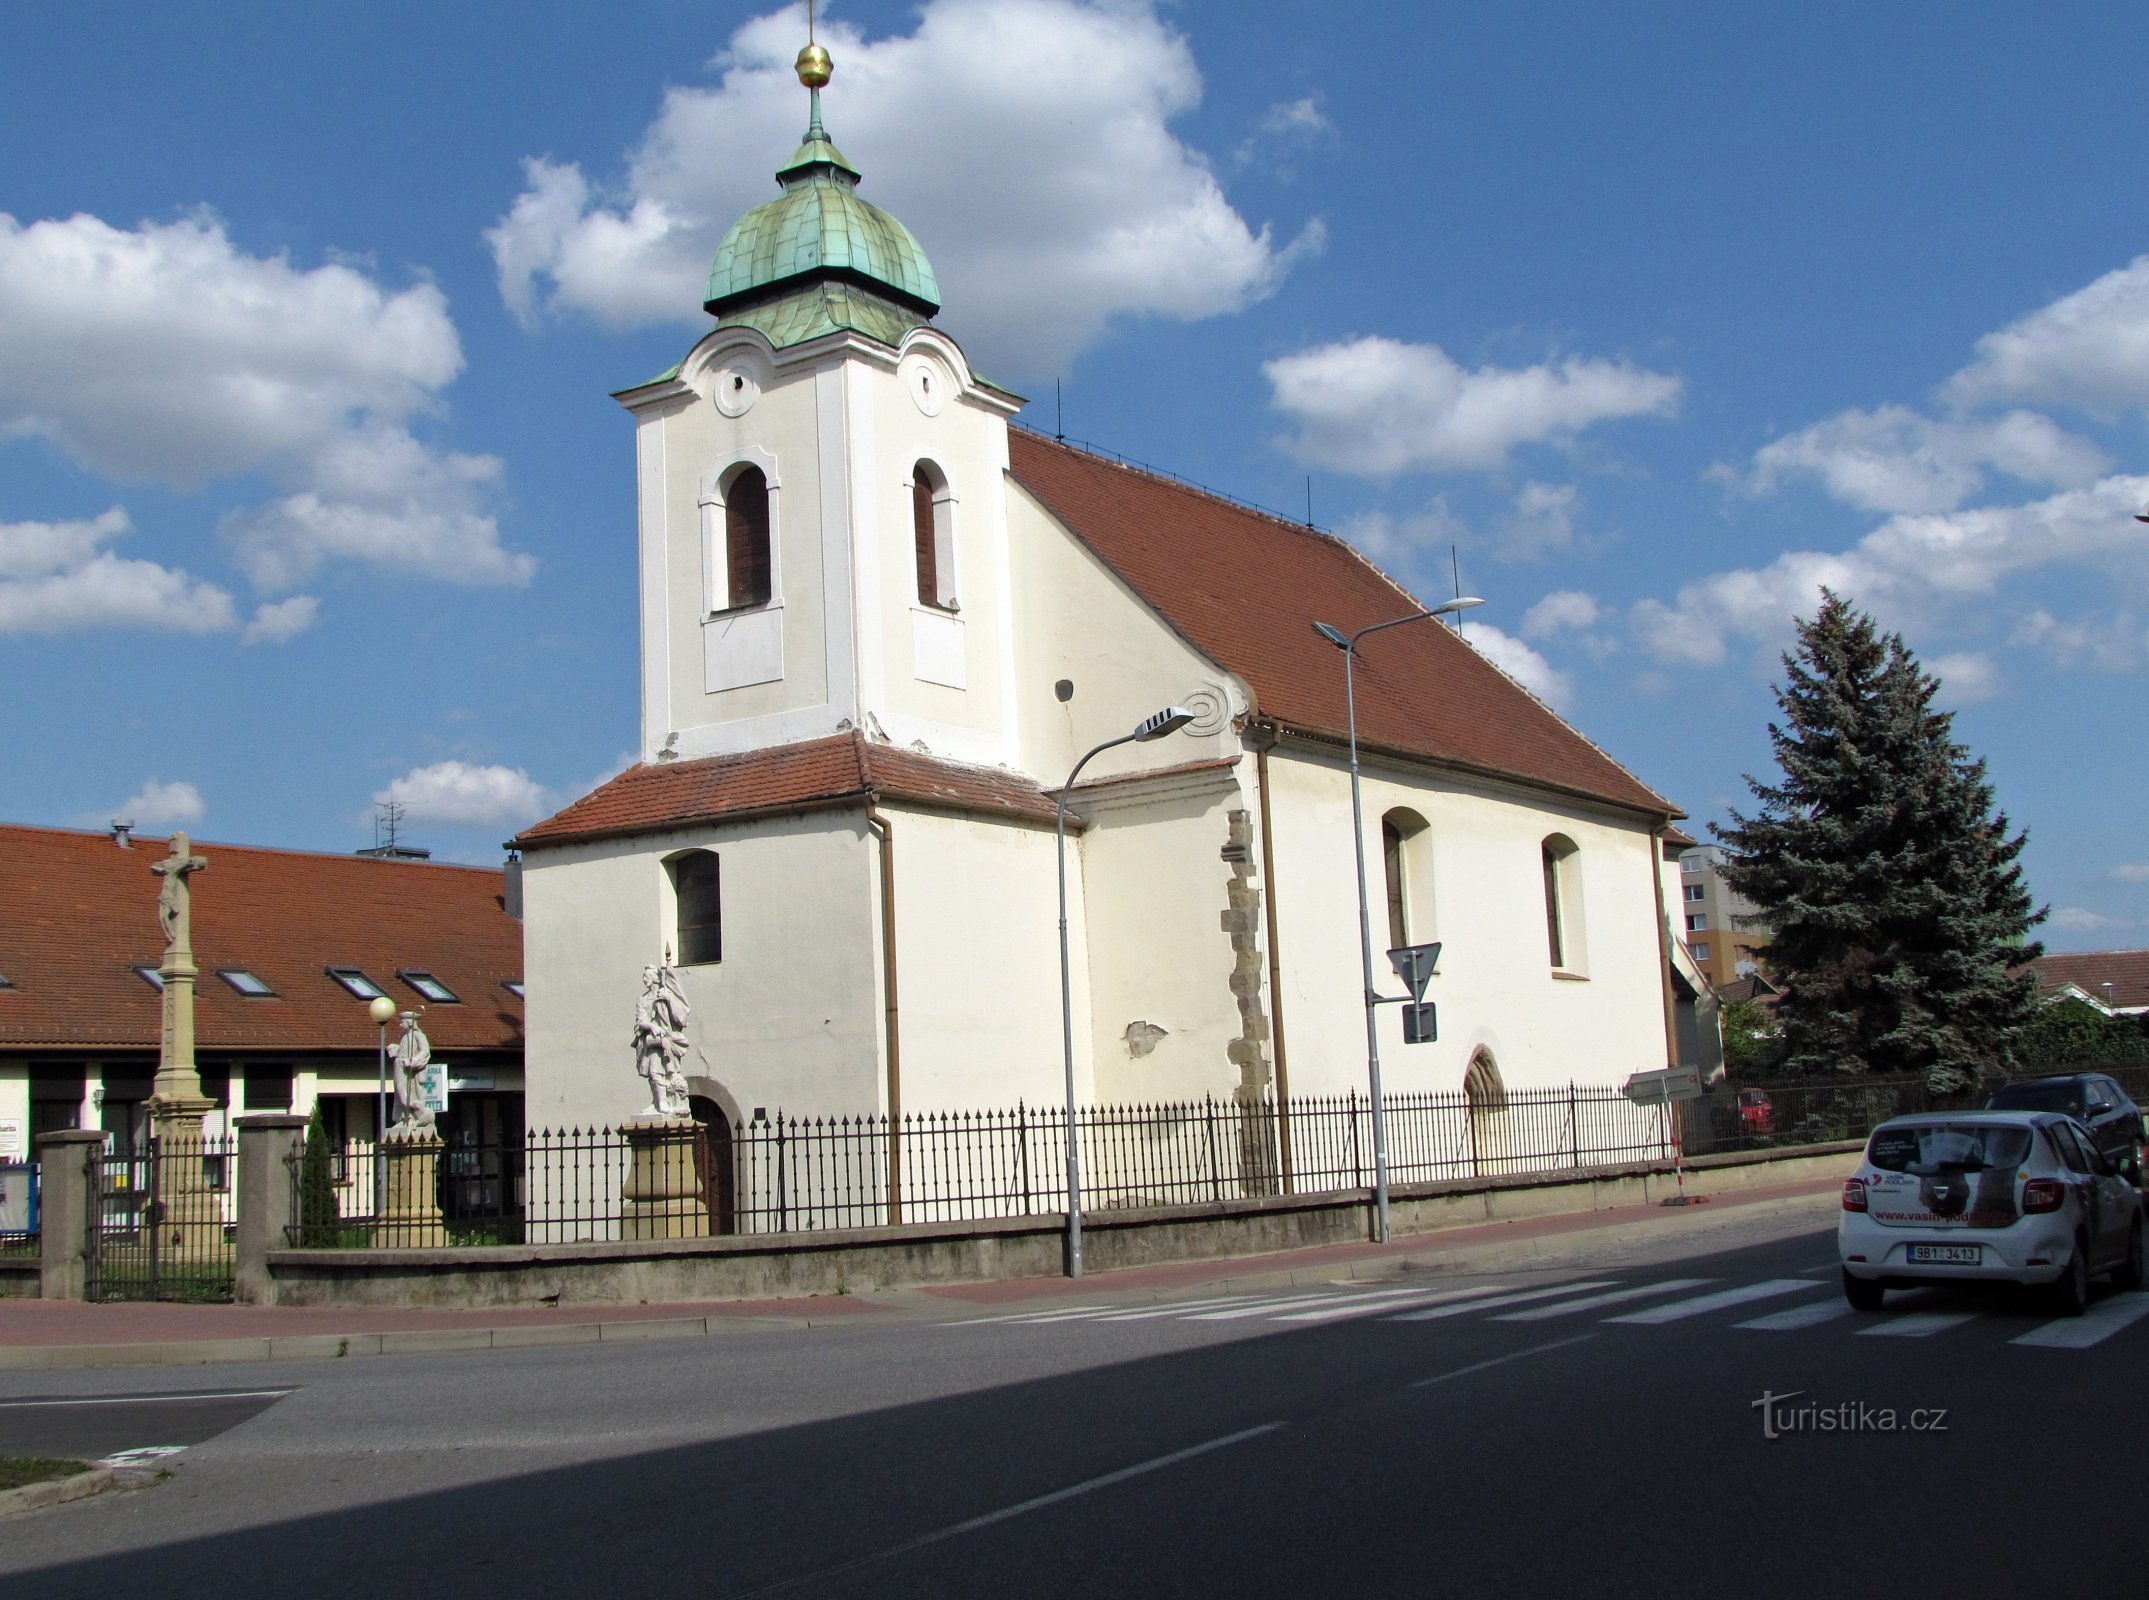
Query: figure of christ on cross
x=174, y=902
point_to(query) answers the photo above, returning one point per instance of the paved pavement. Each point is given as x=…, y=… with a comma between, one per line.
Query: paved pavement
x=1577, y=1417
x=44, y=1335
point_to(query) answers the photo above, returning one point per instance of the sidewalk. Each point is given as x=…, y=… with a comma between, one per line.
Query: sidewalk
x=45, y=1334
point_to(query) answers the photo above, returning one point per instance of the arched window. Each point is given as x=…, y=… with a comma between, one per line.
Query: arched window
x=1562, y=865
x=1486, y=1097
x=1406, y=861
x=746, y=539
x=932, y=536
x=697, y=888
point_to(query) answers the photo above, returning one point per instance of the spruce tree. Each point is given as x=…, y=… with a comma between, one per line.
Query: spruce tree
x=1896, y=909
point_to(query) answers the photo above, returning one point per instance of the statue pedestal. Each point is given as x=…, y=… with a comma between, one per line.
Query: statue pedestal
x=410, y=1219
x=662, y=1197
x=186, y=1211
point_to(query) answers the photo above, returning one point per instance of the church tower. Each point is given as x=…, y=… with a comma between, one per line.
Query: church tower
x=821, y=487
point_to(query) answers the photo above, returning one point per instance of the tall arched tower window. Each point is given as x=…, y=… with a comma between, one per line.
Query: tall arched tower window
x=932, y=535
x=746, y=539
x=697, y=891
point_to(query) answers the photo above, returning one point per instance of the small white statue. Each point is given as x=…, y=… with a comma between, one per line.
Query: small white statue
x=413, y=1054
x=660, y=1042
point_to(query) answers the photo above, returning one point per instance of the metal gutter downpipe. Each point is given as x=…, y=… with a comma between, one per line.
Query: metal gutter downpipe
x=884, y=831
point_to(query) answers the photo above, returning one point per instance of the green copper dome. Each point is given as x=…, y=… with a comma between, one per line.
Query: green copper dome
x=817, y=257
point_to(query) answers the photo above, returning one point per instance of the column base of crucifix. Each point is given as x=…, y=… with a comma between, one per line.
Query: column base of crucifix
x=410, y=1218
x=187, y=1210
x=662, y=1197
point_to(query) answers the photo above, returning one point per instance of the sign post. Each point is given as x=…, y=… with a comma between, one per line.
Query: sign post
x=1664, y=1088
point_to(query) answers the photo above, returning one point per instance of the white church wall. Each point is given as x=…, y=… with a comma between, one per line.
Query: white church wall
x=789, y=1018
x=1154, y=881
x=1496, y=988
x=1075, y=620
x=977, y=936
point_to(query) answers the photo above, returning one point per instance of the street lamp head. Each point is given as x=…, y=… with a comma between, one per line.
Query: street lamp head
x=2141, y=516
x=1462, y=602
x=1333, y=635
x=381, y=1010
x=1158, y=723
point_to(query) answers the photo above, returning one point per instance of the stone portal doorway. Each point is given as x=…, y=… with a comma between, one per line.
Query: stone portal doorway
x=713, y=1162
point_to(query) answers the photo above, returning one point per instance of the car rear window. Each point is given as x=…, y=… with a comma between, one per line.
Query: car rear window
x=2037, y=1097
x=1947, y=1147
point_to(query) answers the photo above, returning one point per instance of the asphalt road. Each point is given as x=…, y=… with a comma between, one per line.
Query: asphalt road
x=1587, y=1427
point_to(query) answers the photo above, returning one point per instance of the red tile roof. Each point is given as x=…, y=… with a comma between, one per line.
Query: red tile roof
x=1245, y=588
x=843, y=769
x=78, y=914
x=2127, y=971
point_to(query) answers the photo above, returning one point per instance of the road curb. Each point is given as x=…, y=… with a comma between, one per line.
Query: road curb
x=82, y=1485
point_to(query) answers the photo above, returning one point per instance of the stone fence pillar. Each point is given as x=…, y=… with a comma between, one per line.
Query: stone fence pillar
x=67, y=1196
x=267, y=1142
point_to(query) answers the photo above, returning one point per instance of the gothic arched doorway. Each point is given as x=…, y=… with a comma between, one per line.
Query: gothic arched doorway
x=713, y=1162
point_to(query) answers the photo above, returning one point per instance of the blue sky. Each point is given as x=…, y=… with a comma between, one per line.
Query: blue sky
x=1660, y=315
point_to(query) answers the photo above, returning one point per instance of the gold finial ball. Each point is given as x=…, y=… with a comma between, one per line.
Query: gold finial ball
x=814, y=67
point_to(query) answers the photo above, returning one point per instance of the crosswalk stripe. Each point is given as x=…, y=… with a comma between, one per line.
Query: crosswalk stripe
x=1918, y=1325
x=1026, y=1316
x=1719, y=1301
x=1796, y=1317
x=1266, y=1306
x=2093, y=1326
x=1328, y=1313
x=1567, y=1308
x=1180, y=1309
x=1520, y=1298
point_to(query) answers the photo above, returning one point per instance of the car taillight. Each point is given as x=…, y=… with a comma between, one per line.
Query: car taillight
x=2043, y=1194
x=1854, y=1194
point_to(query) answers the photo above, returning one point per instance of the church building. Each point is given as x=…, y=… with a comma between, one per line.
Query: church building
x=880, y=623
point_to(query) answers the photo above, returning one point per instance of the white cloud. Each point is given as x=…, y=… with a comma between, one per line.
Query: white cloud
x=1543, y=521
x=1561, y=609
x=1913, y=570
x=1967, y=678
x=2088, y=349
x=1377, y=406
x=2108, y=645
x=1895, y=459
x=459, y=792
x=167, y=354
x=2080, y=919
x=2131, y=872
x=161, y=805
x=1026, y=143
x=1519, y=662
x=275, y=622
x=56, y=577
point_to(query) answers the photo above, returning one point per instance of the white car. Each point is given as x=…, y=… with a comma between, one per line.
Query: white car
x=1980, y=1196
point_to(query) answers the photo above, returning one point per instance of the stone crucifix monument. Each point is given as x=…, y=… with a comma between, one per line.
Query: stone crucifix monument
x=664, y=1196
x=187, y=1214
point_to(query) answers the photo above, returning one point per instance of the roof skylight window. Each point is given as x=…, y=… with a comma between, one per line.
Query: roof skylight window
x=360, y=986
x=512, y=985
x=6, y=982
x=245, y=982
x=152, y=977
x=428, y=985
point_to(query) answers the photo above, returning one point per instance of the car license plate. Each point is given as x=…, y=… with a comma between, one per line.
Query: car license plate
x=1944, y=1255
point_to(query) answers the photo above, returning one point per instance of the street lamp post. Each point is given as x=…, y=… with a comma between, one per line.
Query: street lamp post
x=382, y=1011
x=1154, y=726
x=1348, y=644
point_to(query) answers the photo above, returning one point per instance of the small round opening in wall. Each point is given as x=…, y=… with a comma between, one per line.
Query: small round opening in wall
x=928, y=382
x=736, y=389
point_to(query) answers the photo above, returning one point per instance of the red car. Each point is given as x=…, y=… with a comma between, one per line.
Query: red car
x=1757, y=1114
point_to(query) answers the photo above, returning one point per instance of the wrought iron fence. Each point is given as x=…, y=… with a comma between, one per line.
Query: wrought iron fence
x=160, y=1223
x=788, y=1174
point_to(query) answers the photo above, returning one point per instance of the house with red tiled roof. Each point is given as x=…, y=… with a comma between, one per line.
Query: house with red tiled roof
x=292, y=947
x=881, y=626
x=2116, y=981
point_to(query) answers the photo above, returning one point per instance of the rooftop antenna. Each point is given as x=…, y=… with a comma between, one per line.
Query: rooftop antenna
x=387, y=818
x=1455, y=573
x=1059, y=417
x=1309, y=499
